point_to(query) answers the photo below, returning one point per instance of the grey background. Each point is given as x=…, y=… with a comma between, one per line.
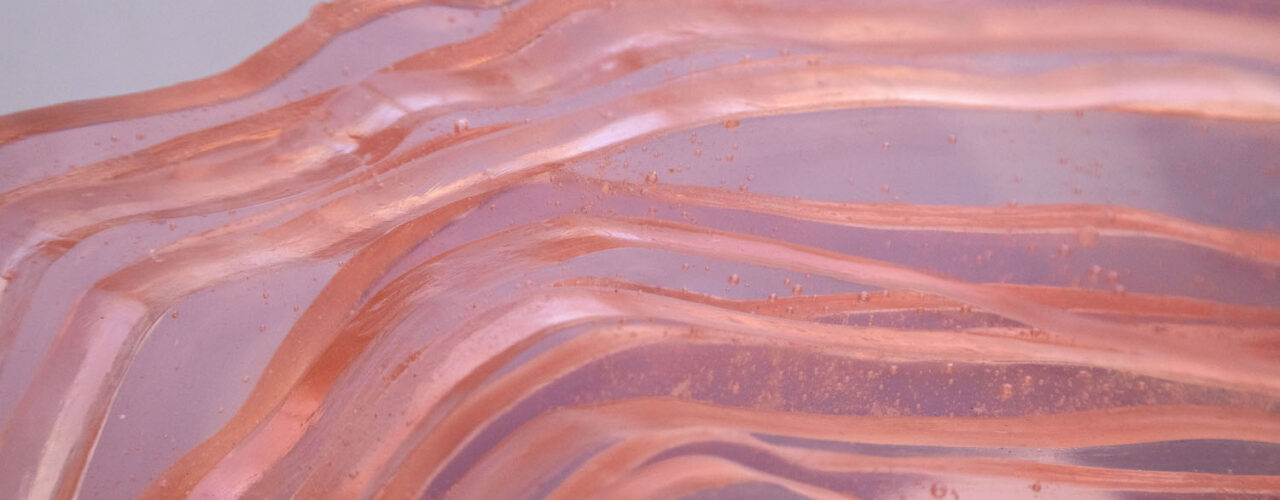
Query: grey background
x=53, y=51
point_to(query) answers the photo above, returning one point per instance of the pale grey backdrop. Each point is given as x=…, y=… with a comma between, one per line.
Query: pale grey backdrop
x=59, y=50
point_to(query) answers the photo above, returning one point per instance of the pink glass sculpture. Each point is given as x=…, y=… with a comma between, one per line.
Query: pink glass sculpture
x=707, y=249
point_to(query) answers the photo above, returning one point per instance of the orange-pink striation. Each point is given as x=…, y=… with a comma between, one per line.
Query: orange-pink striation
x=704, y=249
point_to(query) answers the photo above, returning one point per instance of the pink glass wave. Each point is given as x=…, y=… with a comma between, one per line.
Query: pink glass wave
x=564, y=249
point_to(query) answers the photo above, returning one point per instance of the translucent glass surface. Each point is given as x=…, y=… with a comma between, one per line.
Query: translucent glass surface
x=661, y=249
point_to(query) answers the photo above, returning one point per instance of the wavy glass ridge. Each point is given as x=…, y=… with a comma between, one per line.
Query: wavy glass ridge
x=660, y=249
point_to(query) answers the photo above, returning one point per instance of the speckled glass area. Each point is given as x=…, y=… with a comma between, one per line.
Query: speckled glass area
x=711, y=249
